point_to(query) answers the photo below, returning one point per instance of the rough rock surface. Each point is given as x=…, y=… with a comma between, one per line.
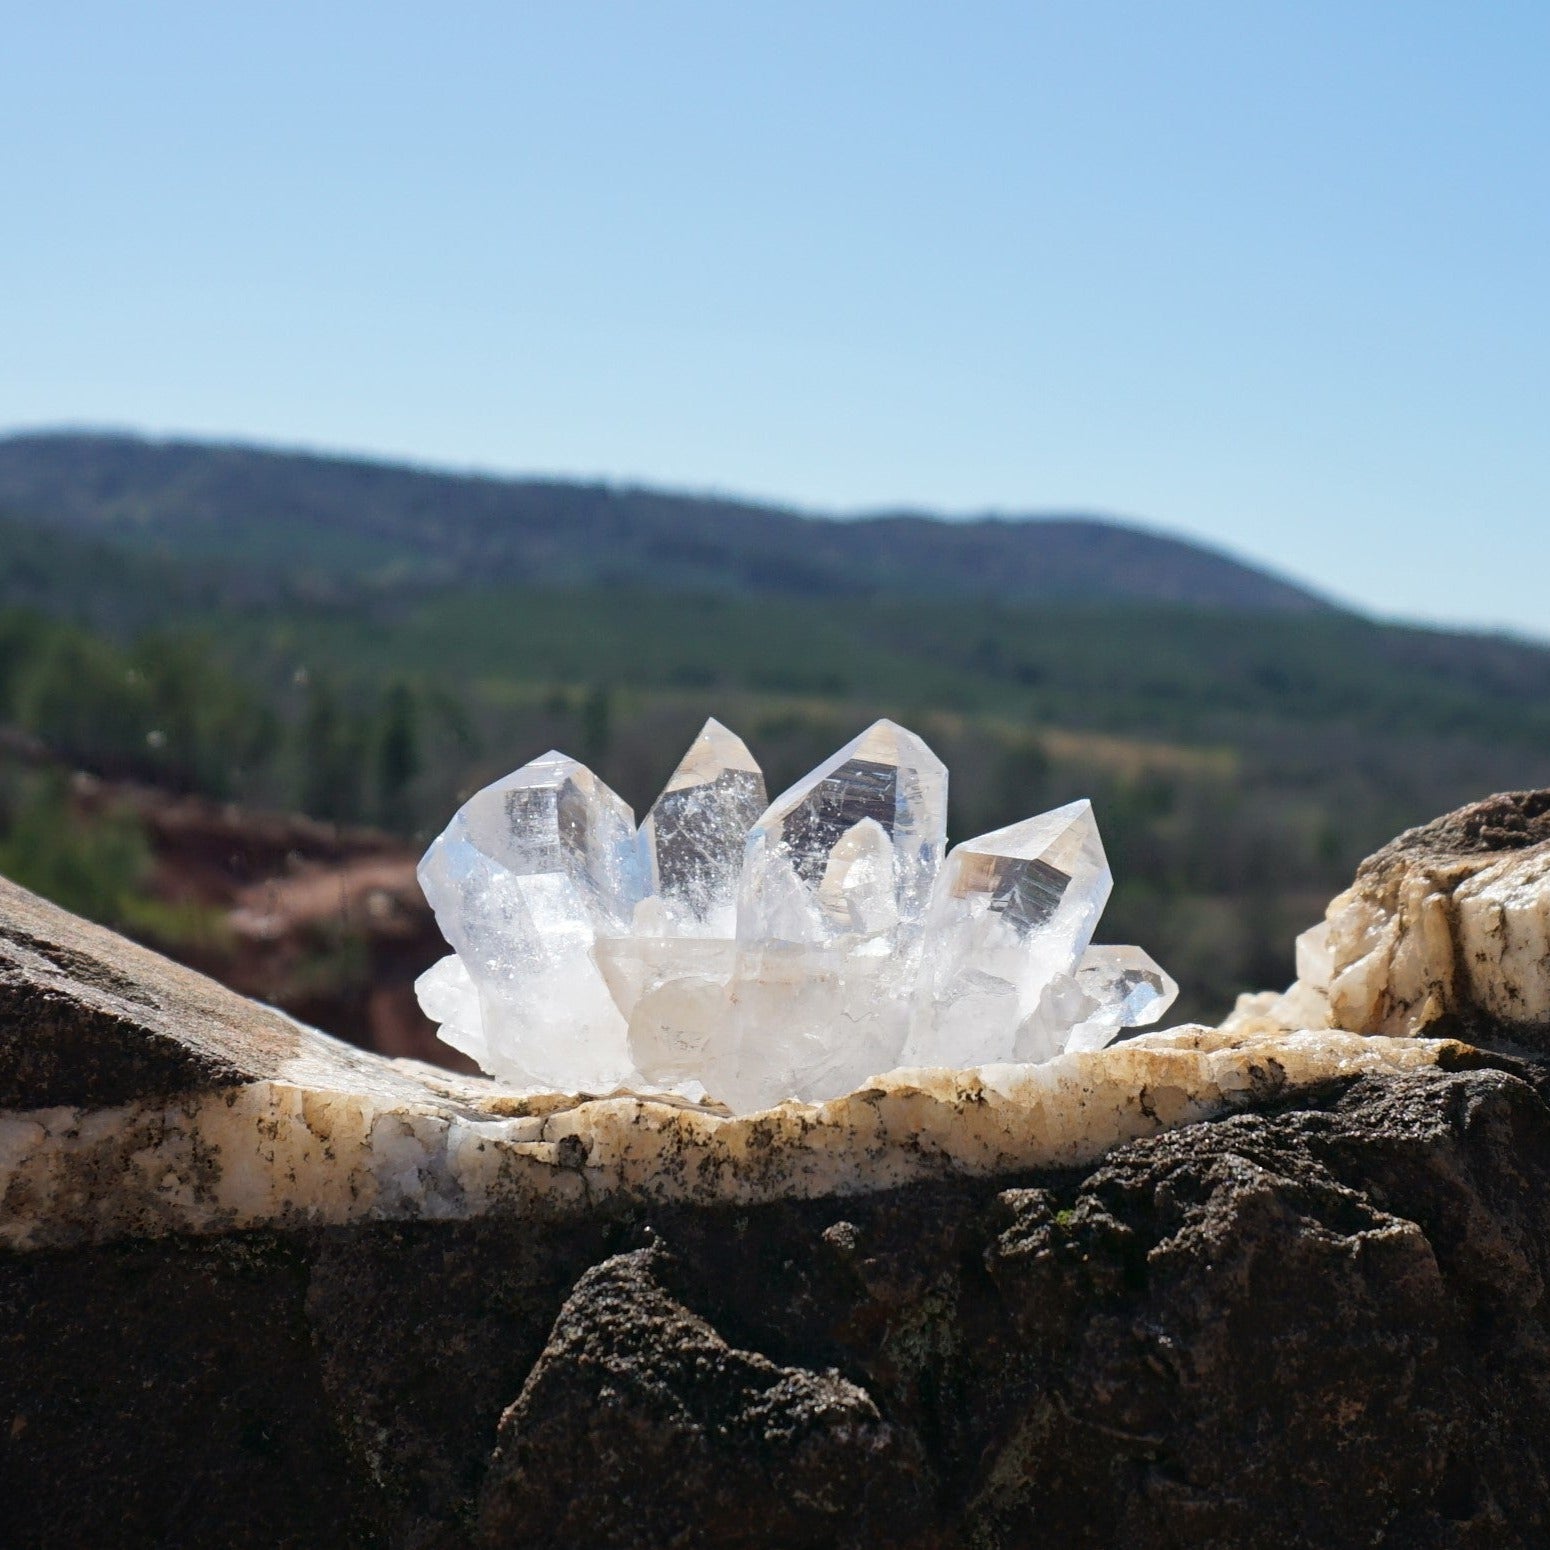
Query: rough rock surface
x=1446, y=929
x=1306, y=1308
x=142, y=1099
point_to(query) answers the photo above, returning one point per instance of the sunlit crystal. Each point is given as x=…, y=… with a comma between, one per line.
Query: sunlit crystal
x=449, y=997
x=1112, y=989
x=1010, y=911
x=692, y=839
x=1127, y=984
x=755, y=953
x=526, y=877
x=673, y=994
x=886, y=776
x=669, y=977
x=835, y=878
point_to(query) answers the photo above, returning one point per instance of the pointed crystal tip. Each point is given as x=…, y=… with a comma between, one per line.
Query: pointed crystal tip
x=691, y=842
x=714, y=751
x=886, y=777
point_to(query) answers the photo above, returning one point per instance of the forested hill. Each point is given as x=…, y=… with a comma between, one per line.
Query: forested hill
x=337, y=523
x=366, y=643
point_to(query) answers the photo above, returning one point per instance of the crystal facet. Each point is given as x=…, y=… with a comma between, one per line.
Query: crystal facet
x=835, y=877
x=887, y=776
x=1113, y=988
x=524, y=880
x=754, y=953
x=1010, y=911
x=692, y=839
x=669, y=977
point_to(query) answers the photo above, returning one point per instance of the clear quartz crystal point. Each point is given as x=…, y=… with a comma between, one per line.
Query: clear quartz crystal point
x=888, y=776
x=1113, y=988
x=692, y=840
x=1011, y=911
x=526, y=878
x=835, y=878
x=669, y=978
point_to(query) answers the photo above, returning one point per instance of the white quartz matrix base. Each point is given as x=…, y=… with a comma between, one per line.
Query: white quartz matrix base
x=331, y=1138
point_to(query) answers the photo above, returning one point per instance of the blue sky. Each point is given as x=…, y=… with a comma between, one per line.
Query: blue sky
x=1272, y=275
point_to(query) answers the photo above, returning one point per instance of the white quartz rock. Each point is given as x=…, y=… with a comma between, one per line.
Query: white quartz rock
x=528, y=875
x=1449, y=923
x=1011, y=910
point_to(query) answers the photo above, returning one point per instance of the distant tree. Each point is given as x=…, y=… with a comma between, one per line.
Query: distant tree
x=22, y=635
x=1022, y=774
x=450, y=714
x=180, y=696
x=92, y=865
x=596, y=726
x=333, y=754
x=82, y=699
x=398, y=756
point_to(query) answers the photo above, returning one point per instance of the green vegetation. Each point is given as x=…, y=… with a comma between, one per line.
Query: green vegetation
x=95, y=867
x=376, y=661
x=262, y=523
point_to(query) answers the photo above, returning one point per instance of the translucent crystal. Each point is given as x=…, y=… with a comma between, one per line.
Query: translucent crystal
x=835, y=878
x=669, y=977
x=692, y=840
x=886, y=776
x=758, y=953
x=448, y=996
x=1113, y=988
x=673, y=992
x=1131, y=990
x=1011, y=910
x=858, y=891
x=531, y=871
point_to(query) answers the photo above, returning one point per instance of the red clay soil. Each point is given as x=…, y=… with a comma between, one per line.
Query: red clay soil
x=325, y=922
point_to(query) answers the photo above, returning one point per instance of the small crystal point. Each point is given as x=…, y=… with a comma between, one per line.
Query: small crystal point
x=528, y=874
x=1113, y=988
x=1129, y=981
x=692, y=840
x=858, y=890
x=1016, y=906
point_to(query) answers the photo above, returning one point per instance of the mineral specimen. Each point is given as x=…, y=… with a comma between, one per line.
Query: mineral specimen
x=524, y=880
x=1011, y=911
x=755, y=953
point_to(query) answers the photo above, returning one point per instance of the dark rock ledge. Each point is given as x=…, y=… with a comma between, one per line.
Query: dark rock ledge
x=1265, y=1288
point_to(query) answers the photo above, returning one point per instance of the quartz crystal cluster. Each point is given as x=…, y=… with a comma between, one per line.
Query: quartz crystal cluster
x=755, y=951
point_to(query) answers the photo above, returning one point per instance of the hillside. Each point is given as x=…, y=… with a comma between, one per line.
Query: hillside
x=367, y=644
x=327, y=523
